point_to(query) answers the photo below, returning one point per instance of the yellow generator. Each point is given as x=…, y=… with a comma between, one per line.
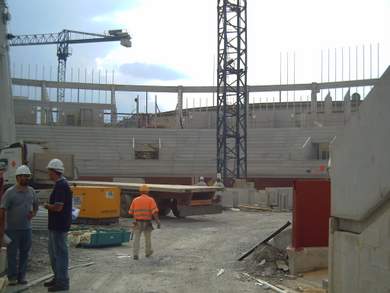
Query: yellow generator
x=97, y=204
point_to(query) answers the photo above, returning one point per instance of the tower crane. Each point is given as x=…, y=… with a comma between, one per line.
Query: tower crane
x=65, y=38
x=232, y=91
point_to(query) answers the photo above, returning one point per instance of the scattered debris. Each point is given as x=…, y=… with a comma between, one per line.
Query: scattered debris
x=254, y=208
x=325, y=283
x=291, y=277
x=265, y=285
x=283, y=240
x=265, y=240
x=123, y=256
x=235, y=209
x=220, y=272
x=281, y=265
x=263, y=263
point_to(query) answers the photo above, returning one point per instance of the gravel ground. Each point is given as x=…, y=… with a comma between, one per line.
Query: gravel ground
x=189, y=253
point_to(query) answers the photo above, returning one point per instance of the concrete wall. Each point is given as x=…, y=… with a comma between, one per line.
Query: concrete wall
x=82, y=114
x=279, y=199
x=184, y=152
x=360, y=263
x=360, y=174
x=267, y=115
x=360, y=158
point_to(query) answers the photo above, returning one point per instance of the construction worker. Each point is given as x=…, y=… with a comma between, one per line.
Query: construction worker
x=143, y=209
x=201, y=182
x=218, y=183
x=2, y=169
x=19, y=205
x=60, y=219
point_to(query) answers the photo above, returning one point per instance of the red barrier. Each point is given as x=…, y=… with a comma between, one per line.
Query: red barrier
x=311, y=213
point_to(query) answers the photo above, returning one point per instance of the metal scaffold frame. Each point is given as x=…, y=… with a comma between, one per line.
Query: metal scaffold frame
x=232, y=91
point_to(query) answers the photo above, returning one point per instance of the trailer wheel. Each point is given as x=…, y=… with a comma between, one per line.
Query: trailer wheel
x=175, y=209
x=162, y=212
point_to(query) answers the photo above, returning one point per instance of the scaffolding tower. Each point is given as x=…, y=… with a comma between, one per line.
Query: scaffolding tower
x=232, y=93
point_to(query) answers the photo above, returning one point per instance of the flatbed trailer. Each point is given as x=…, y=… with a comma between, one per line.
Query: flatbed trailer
x=182, y=200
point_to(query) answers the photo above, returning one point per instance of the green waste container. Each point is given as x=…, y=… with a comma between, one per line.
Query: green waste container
x=105, y=237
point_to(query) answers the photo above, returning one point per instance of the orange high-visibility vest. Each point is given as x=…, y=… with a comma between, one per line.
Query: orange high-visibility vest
x=143, y=207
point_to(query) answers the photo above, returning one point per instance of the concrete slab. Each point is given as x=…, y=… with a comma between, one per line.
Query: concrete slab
x=307, y=259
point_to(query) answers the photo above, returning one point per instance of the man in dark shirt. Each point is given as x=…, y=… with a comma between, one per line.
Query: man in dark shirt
x=60, y=219
x=2, y=169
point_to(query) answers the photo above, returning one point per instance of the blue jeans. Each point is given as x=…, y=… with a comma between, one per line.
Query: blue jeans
x=21, y=243
x=58, y=252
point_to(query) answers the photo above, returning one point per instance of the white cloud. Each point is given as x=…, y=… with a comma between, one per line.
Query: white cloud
x=181, y=34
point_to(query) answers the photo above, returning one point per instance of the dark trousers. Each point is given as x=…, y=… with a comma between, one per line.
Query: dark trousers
x=59, y=257
x=19, y=246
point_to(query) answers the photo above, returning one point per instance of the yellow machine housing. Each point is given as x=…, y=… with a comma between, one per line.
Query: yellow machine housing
x=97, y=202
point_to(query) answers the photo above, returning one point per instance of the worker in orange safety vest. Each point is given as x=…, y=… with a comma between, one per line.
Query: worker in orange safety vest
x=143, y=209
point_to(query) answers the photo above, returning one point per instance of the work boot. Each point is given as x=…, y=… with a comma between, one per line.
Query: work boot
x=135, y=257
x=12, y=282
x=149, y=254
x=57, y=288
x=49, y=283
x=22, y=282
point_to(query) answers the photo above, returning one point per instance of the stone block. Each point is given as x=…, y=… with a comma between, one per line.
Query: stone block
x=307, y=259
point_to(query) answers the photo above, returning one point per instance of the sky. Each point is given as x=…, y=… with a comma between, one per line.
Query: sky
x=174, y=41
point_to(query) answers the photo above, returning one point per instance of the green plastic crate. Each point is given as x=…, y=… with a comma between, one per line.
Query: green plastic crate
x=104, y=238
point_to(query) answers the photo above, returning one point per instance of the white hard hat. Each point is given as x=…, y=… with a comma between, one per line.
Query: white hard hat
x=23, y=170
x=219, y=176
x=201, y=178
x=56, y=165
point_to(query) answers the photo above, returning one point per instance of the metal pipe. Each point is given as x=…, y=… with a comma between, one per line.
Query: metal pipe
x=378, y=61
x=146, y=109
x=78, y=89
x=364, y=69
x=85, y=80
x=287, y=72
x=293, y=75
x=335, y=72
x=357, y=64
x=280, y=75
x=322, y=73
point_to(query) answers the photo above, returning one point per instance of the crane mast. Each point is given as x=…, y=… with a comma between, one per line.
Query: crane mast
x=232, y=92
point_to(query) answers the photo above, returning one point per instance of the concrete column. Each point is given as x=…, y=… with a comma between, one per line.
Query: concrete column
x=314, y=92
x=328, y=105
x=46, y=109
x=179, y=108
x=347, y=106
x=114, y=118
x=7, y=114
x=44, y=94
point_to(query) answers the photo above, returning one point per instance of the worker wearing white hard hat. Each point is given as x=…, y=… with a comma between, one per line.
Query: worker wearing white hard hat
x=18, y=206
x=60, y=219
x=56, y=165
x=201, y=182
x=218, y=183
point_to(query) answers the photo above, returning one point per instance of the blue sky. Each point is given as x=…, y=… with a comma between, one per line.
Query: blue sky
x=174, y=41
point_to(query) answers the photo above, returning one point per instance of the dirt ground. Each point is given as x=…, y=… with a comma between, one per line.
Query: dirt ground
x=188, y=254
